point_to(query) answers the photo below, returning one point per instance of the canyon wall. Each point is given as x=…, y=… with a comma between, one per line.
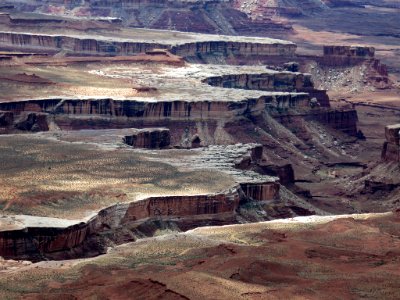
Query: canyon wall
x=352, y=51
x=211, y=16
x=59, y=23
x=391, y=147
x=282, y=81
x=342, y=120
x=210, y=49
x=260, y=191
x=88, y=46
x=279, y=81
x=190, y=123
x=92, y=237
x=179, y=109
x=150, y=138
x=184, y=119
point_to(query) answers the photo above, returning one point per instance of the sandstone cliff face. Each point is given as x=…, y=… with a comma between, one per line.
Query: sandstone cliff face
x=35, y=243
x=57, y=22
x=283, y=81
x=235, y=49
x=57, y=243
x=211, y=16
x=196, y=110
x=262, y=10
x=391, y=148
x=392, y=133
x=32, y=122
x=342, y=120
x=23, y=121
x=151, y=138
x=82, y=46
x=285, y=172
x=260, y=191
x=184, y=119
x=352, y=51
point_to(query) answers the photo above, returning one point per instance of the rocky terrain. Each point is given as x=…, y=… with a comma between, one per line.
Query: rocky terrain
x=306, y=258
x=186, y=149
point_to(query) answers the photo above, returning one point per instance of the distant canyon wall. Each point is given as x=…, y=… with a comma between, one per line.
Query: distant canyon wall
x=210, y=16
x=86, y=46
x=279, y=81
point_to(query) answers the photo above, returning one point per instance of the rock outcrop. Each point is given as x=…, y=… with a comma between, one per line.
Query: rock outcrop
x=350, y=51
x=32, y=122
x=58, y=22
x=348, y=56
x=23, y=121
x=260, y=191
x=149, y=138
x=124, y=222
x=184, y=119
x=211, y=16
x=391, y=147
x=272, y=81
x=190, y=49
x=285, y=173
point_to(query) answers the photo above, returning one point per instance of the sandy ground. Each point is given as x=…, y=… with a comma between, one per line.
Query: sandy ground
x=350, y=257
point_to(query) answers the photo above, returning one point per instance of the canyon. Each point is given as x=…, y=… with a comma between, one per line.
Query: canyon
x=199, y=149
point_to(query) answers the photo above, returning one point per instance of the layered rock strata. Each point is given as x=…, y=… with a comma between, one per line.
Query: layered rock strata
x=375, y=73
x=181, y=117
x=124, y=222
x=214, y=46
x=342, y=120
x=284, y=81
x=151, y=139
x=347, y=56
x=391, y=147
x=199, y=16
x=350, y=51
x=260, y=191
x=60, y=23
x=280, y=81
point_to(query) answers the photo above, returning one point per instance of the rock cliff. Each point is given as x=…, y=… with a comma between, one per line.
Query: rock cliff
x=190, y=123
x=150, y=138
x=279, y=81
x=351, y=51
x=211, y=16
x=124, y=222
x=216, y=45
x=391, y=147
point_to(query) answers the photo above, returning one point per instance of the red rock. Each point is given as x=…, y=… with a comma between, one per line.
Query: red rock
x=149, y=138
x=261, y=191
x=392, y=133
x=350, y=51
x=391, y=148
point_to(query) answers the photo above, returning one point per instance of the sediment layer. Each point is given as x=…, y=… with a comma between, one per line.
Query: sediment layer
x=215, y=45
x=391, y=147
x=124, y=222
